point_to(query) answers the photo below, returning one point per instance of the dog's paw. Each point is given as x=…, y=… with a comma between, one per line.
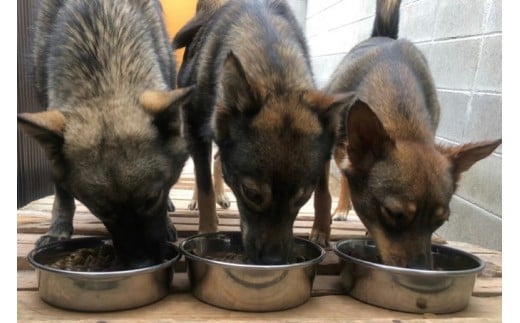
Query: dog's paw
x=192, y=205
x=171, y=206
x=340, y=215
x=223, y=201
x=319, y=237
x=47, y=239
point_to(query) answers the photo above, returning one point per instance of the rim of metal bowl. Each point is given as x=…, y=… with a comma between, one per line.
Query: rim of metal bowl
x=410, y=271
x=97, y=274
x=307, y=263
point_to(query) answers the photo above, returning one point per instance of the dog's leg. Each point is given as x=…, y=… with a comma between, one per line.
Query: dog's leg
x=170, y=229
x=218, y=181
x=208, y=221
x=61, y=221
x=193, y=203
x=171, y=206
x=343, y=207
x=341, y=212
x=322, y=203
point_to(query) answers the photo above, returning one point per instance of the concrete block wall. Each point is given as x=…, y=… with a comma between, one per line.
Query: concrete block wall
x=462, y=42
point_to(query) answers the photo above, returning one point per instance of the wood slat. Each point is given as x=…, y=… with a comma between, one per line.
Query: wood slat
x=183, y=307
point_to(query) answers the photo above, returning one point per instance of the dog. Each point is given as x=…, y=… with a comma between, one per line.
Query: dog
x=112, y=129
x=255, y=96
x=400, y=181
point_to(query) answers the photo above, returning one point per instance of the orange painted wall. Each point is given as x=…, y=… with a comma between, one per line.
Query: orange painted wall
x=176, y=14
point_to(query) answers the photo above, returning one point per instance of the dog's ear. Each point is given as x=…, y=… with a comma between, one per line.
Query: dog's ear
x=464, y=156
x=47, y=128
x=186, y=34
x=328, y=106
x=367, y=139
x=235, y=98
x=165, y=107
x=238, y=95
x=204, y=12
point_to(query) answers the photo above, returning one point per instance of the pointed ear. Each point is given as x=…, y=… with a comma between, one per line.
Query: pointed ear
x=236, y=91
x=235, y=97
x=186, y=34
x=156, y=102
x=46, y=127
x=328, y=106
x=464, y=156
x=367, y=139
x=165, y=107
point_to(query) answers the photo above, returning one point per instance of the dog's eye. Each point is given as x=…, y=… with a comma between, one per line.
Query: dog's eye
x=395, y=218
x=252, y=195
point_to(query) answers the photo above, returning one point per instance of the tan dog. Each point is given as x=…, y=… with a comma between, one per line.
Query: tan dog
x=401, y=182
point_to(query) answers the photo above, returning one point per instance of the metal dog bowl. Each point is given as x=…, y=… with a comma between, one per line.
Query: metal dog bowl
x=103, y=290
x=446, y=289
x=246, y=287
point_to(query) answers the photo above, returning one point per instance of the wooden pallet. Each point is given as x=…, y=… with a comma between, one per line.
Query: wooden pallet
x=328, y=301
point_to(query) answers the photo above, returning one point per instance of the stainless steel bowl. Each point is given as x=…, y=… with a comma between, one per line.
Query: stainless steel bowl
x=99, y=291
x=247, y=287
x=446, y=289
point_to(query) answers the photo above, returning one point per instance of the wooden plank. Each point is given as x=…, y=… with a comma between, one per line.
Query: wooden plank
x=184, y=307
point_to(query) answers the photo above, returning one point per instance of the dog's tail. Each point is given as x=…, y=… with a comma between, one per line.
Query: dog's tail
x=386, y=23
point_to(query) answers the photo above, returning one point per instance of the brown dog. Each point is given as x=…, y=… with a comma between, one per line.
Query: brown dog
x=401, y=182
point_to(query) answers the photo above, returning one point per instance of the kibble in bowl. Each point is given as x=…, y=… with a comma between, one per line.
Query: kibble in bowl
x=83, y=274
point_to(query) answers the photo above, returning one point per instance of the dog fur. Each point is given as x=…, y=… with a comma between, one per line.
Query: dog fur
x=255, y=96
x=400, y=181
x=112, y=129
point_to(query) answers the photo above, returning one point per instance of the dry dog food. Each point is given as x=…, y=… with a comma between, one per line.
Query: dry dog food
x=101, y=258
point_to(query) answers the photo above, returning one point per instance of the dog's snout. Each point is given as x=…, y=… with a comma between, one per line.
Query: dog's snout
x=273, y=254
x=421, y=262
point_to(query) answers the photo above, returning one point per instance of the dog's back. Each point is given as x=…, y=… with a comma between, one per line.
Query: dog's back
x=397, y=71
x=262, y=34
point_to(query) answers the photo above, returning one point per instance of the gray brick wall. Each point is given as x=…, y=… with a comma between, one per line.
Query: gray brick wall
x=462, y=40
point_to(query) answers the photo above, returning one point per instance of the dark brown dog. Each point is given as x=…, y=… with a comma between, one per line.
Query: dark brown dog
x=401, y=182
x=255, y=96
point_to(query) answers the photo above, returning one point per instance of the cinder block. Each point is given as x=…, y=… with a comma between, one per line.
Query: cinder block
x=299, y=8
x=489, y=73
x=485, y=120
x=323, y=67
x=454, y=106
x=453, y=63
x=316, y=6
x=473, y=225
x=482, y=184
x=417, y=20
x=494, y=22
x=459, y=18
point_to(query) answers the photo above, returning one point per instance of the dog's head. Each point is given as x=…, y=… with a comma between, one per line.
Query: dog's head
x=401, y=189
x=120, y=161
x=273, y=147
